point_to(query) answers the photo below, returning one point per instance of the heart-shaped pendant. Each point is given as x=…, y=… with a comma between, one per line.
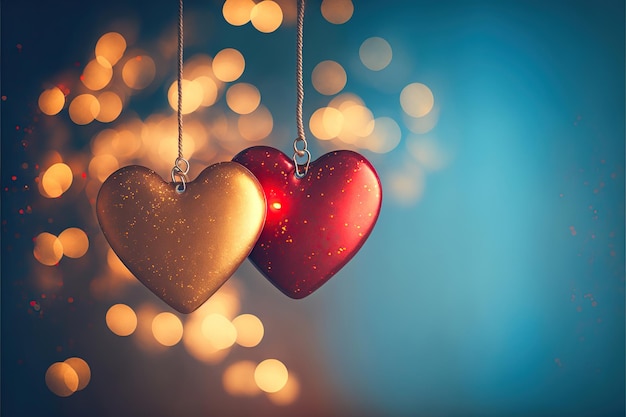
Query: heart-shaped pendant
x=314, y=224
x=182, y=246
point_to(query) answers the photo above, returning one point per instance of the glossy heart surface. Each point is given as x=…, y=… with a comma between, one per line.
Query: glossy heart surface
x=314, y=224
x=182, y=246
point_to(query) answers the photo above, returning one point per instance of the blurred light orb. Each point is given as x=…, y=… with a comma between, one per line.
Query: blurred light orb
x=48, y=249
x=110, y=107
x=84, y=109
x=243, y=98
x=101, y=166
x=329, y=78
x=417, y=100
x=271, y=375
x=121, y=320
x=228, y=65
x=56, y=180
x=117, y=266
x=51, y=101
x=249, y=329
x=237, y=12
x=75, y=242
x=82, y=370
x=238, y=379
x=219, y=331
x=62, y=379
x=326, y=123
x=110, y=47
x=337, y=11
x=210, y=90
x=256, y=125
x=198, y=345
x=288, y=394
x=406, y=186
x=358, y=122
x=266, y=16
x=192, y=96
x=167, y=329
x=125, y=143
x=138, y=72
x=97, y=74
x=375, y=53
x=385, y=137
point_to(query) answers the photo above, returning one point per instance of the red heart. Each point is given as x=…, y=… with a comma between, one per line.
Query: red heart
x=316, y=224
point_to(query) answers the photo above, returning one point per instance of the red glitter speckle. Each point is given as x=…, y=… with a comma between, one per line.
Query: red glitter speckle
x=4, y=98
x=14, y=177
x=82, y=77
x=70, y=300
x=17, y=127
x=33, y=303
x=21, y=211
x=84, y=175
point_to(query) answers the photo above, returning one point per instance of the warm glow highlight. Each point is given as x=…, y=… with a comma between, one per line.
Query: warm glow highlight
x=82, y=370
x=326, y=123
x=48, y=249
x=75, y=242
x=101, y=166
x=51, y=101
x=219, y=331
x=228, y=65
x=288, y=394
x=167, y=329
x=238, y=379
x=237, y=12
x=84, y=109
x=110, y=47
x=256, y=125
x=121, y=320
x=110, y=107
x=97, y=74
x=266, y=16
x=192, y=96
x=62, y=379
x=199, y=346
x=337, y=11
x=271, y=375
x=243, y=98
x=210, y=90
x=329, y=78
x=56, y=180
x=249, y=328
x=385, y=136
x=139, y=72
x=375, y=53
x=417, y=100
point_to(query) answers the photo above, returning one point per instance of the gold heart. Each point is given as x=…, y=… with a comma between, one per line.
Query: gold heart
x=182, y=246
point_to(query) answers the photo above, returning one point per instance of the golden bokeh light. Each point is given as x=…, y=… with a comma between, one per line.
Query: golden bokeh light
x=243, y=98
x=84, y=109
x=97, y=74
x=121, y=320
x=329, y=78
x=266, y=16
x=101, y=166
x=358, y=122
x=192, y=96
x=56, y=180
x=102, y=142
x=110, y=107
x=288, y=394
x=117, y=266
x=256, y=125
x=139, y=72
x=238, y=379
x=326, y=123
x=406, y=186
x=249, y=329
x=237, y=12
x=271, y=375
x=74, y=241
x=422, y=124
x=228, y=65
x=224, y=302
x=48, y=249
x=375, y=53
x=82, y=370
x=167, y=329
x=110, y=48
x=219, y=331
x=417, y=100
x=51, y=101
x=62, y=379
x=210, y=90
x=427, y=152
x=337, y=11
x=385, y=136
x=125, y=143
x=199, y=346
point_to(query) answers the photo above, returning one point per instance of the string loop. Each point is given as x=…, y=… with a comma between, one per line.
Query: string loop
x=181, y=165
x=301, y=139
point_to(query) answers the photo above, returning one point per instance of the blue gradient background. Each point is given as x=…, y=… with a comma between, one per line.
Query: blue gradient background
x=473, y=300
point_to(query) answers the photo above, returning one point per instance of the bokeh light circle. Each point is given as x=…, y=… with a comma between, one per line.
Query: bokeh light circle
x=61, y=379
x=228, y=65
x=243, y=98
x=167, y=329
x=237, y=12
x=51, y=101
x=84, y=109
x=56, y=180
x=271, y=375
x=417, y=100
x=375, y=53
x=110, y=47
x=82, y=370
x=329, y=77
x=337, y=11
x=74, y=241
x=250, y=330
x=266, y=16
x=48, y=249
x=121, y=320
x=138, y=72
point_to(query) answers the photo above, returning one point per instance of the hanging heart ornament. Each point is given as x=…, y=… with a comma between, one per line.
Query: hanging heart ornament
x=314, y=224
x=182, y=246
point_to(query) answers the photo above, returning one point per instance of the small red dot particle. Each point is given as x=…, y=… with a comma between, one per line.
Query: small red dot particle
x=84, y=175
x=70, y=300
x=14, y=177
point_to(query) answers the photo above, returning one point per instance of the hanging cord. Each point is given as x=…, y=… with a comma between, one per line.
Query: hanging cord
x=181, y=165
x=301, y=139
